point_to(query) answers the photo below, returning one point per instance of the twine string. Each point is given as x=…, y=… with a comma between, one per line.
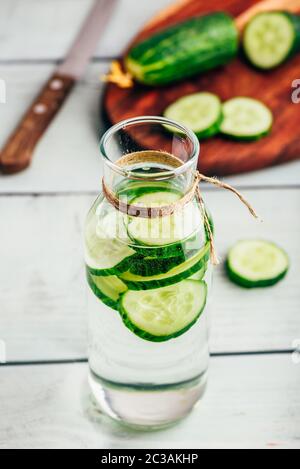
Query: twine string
x=167, y=210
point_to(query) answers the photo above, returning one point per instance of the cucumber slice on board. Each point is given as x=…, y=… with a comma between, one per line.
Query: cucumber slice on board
x=256, y=263
x=107, y=289
x=106, y=255
x=201, y=112
x=246, y=119
x=270, y=38
x=166, y=313
x=175, y=275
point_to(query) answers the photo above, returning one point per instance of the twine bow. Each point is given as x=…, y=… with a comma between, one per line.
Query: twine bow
x=167, y=210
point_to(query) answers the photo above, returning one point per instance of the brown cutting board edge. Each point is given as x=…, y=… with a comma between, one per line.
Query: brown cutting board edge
x=219, y=156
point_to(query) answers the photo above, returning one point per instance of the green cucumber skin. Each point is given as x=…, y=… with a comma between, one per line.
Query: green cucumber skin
x=148, y=267
x=194, y=46
x=243, y=282
x=181, y=249
x=99, y=294
x=132, y=194
x=118, y=269
x=211, y=224
x=211, y=131
x=240, y=138
x=295, y=20
x=153, y=284
x=153, y=338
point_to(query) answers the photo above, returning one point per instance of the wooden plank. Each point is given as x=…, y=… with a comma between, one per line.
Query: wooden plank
x=70, y=142
x=42, y=276
x=72, y=139
x=251, y=402
x=42, y=287
x=31, y=29
x=256, y=319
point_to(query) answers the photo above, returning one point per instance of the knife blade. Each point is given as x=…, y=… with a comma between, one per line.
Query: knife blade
x=17, y=153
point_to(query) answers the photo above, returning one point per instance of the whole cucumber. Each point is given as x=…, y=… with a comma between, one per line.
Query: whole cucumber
x=191, y=47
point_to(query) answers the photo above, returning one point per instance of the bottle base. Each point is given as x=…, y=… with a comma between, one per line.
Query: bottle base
x=147, y=407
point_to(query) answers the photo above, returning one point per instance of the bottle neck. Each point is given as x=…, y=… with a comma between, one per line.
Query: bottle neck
x=149, y=168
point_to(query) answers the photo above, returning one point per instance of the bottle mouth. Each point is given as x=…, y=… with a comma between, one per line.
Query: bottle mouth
x=180, y=134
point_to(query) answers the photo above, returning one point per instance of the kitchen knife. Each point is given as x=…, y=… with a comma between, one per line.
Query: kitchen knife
x=18, y=150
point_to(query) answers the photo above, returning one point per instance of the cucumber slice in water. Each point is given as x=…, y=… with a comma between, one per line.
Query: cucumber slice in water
x=148, y=266
x=105, y=254
x=271, y=37
x=246, y=119
x=201, y=112
x=200, y=274
x=164, y=230
x=136, y=189
x=175, y=275
x=107, y=289
x=256, y=263
x=166, y=313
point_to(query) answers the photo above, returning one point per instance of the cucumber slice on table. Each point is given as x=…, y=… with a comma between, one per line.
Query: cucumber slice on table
x=175, y=275
x=201, y=112
x=107, y=289
x=246, y=119
x=166, y=313
x=270, y=38
x=256, y=263
x=105, y=254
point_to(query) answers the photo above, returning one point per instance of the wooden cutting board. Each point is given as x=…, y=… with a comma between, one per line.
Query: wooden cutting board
x=218, y=155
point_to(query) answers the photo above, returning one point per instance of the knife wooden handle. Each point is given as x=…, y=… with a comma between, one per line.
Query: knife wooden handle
x=18, y=150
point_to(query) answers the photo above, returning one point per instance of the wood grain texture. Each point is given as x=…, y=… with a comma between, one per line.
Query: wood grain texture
x=43, y=291
x=18, y=150
x=74, y=142
x=251, y=402
x=220, y=156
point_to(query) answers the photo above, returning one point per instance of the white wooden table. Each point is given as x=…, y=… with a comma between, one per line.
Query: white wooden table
x=253, y=399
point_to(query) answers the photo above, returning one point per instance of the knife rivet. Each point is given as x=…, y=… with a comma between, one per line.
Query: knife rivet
x=56, y=84
x=40, y=108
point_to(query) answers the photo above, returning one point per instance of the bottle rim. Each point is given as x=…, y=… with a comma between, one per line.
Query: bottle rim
x=168, y=173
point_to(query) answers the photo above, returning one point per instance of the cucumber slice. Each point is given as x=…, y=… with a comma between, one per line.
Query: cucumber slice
x=136, y=189
x=201, y=112
x=157, y=198
x=148, y=266
x=200, y=274
x=181, y=250
x=175, y=275
x=270, y=38
x=165, y=230
x=166, y=313
x=107, y=289
x=256, y=263
x=105, y=254
x=246, y=119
